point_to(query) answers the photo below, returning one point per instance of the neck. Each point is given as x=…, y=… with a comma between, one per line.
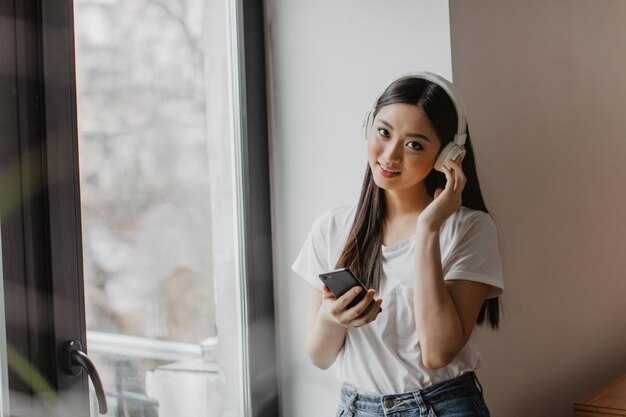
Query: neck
x=403, y=203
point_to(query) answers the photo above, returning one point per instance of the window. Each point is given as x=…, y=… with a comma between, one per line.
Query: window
x=169, y=234
x=156, y=183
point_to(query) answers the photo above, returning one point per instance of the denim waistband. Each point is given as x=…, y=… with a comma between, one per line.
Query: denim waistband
x=466, y=384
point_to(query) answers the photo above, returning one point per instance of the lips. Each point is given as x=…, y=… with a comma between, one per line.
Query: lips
x=388, y=173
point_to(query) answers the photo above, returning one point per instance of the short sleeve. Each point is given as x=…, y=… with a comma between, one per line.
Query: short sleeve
x=476, y=256
x=313, y=257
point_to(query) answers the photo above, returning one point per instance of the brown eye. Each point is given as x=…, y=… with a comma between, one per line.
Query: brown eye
x=383, y=132
x=415, y=145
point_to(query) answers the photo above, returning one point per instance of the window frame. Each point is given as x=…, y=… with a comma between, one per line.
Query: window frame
x=41, y=237
x=254, y=217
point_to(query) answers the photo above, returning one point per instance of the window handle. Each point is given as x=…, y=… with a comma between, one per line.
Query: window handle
x=75, y=360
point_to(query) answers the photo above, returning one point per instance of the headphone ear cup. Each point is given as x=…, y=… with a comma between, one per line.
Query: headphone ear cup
x=450, y=152
x=367, y=124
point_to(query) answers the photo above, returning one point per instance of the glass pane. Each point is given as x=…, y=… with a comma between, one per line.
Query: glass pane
x=157, y=203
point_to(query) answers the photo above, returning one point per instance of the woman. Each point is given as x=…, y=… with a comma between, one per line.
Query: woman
x=422, y=240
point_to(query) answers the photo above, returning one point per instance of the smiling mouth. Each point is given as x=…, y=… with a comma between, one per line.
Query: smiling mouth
x=391, y=171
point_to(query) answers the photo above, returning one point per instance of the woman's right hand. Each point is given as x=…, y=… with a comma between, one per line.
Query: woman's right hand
x=336, y=309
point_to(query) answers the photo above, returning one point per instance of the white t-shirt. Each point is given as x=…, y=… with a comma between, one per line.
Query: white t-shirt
x=384, y=356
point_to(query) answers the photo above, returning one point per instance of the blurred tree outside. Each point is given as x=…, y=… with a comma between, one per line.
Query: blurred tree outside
x=145, y=186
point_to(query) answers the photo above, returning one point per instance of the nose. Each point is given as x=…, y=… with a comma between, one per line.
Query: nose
x=393, y=152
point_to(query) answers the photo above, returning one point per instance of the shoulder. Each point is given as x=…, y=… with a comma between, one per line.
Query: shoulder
x=471, y=249
x=474, y=217
x=466, y=220
x=335, y=220
x=322, y=244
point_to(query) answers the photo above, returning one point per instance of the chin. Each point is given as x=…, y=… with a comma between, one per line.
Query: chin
x=390, y=185
x=385, y=185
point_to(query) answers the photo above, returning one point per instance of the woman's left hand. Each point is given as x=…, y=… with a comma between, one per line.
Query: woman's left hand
x=446, y=201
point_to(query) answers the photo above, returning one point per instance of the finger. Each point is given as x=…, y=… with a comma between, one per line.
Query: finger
x=369, y=296
x=461, y=179
x=455, y=163
x=457, y=160
x=357, y=310
x=449, y=178
x=344, y=300
x=458, y=164
x=438, y=191
x=374, y=311
x=456, y=173
x=453, y=170
x=370, y=316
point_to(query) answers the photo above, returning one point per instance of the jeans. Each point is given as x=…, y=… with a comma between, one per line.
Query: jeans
x=458, y=397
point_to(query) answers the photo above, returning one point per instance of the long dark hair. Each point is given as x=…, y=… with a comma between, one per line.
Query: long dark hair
x=362, y=251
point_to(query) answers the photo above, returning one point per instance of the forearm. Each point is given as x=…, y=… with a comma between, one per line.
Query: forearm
x=438, y=323
x=324, y=341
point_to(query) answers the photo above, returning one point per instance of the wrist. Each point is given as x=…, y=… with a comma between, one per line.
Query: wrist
x=425, y=226
x=326, y=321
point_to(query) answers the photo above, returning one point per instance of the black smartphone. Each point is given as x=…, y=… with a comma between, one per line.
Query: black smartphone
x=340, y=281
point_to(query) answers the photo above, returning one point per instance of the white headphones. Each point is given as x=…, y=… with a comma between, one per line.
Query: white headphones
x=452, y=149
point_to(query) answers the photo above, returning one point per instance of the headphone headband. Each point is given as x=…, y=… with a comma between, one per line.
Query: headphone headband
x=447, y=86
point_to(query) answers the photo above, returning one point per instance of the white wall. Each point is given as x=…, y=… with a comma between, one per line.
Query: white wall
x=545, y=87
x=328, y=61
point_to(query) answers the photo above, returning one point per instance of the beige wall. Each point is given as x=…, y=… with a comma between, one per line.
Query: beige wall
x=545, y=87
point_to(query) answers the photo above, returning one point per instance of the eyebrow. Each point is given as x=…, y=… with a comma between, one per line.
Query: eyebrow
x=410, y=135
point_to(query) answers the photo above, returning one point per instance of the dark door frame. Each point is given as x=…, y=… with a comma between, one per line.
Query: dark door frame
x=41, y=224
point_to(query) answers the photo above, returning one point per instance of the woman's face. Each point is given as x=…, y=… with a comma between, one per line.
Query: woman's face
x=402, y=147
